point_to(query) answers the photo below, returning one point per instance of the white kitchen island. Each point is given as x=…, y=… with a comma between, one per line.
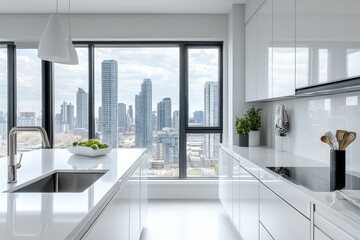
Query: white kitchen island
x=70, y=215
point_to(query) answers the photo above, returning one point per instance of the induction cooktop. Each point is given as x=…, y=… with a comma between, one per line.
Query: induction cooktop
x=316, y=178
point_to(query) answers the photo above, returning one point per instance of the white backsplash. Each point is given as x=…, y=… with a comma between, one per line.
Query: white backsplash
x=310, y=118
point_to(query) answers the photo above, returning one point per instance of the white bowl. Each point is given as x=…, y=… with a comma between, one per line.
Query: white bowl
x=89, y=152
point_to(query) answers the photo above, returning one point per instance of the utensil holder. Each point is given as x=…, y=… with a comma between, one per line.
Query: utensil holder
x=337, y=169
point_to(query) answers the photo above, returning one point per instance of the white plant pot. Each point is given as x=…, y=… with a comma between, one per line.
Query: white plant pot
x=254, y=138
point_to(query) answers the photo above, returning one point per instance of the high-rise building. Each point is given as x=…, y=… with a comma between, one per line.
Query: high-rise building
x=167, y=146
x=82, y=116
x=99, y=119
x=175, y=120
x=122, y=118
x=143, y=113
x=67, y=115
x=109, y=102
x=211, y=118
x=130, y=112
x=164, y=114
x=154, y=120
x=199, y=117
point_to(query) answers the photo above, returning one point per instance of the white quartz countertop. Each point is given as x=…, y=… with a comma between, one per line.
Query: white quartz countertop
x=255, y=159
x=59, y=215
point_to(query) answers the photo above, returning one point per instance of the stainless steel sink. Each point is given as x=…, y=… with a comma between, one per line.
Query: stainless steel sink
x=63, y=181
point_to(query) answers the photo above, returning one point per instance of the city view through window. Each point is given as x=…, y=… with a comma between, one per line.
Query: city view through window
x=3, y=100
x=137, y=103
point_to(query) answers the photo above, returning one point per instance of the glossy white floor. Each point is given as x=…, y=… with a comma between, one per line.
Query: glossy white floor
x=188, y=220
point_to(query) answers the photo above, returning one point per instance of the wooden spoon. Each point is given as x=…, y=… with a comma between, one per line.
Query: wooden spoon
x=326, y=139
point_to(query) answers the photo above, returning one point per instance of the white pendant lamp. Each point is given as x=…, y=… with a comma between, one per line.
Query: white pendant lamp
x=53, y=45
x=73, y=57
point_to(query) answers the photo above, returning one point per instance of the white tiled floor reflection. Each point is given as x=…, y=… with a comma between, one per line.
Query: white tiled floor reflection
x=188, y=220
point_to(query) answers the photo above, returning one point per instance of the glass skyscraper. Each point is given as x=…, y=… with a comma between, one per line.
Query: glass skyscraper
x=143, y=116
x=109, y=102
x=211, y=118
x=82, y=109
x=164, y=114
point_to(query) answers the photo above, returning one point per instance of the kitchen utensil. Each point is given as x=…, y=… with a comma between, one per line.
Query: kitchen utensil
x=340, y=134
x=333, y=140
x=325, y=139
x=348, y=138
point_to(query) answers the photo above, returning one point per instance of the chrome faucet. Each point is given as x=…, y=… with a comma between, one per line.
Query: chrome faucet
x=12, y=165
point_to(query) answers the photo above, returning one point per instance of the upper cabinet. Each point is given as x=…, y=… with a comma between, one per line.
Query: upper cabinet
x=283, y=49
x=327, y=41
x=270, y=51
x=291, y=44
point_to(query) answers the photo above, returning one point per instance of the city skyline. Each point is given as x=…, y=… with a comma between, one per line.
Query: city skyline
x=136, y=64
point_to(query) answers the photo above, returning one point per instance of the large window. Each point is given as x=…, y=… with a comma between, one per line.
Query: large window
x=71, y=119
x=137, y=102
x=203, y=132
x=3, y=100
x=165, y=97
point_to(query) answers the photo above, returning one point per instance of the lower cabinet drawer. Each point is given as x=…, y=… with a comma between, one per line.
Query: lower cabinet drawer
x=319, y=235
x=330, y=229
x=282, y=221
x=264, y=235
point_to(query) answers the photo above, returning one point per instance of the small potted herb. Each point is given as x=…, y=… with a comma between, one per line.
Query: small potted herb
x=248, y=127
x=243, y=128
x=254, y=117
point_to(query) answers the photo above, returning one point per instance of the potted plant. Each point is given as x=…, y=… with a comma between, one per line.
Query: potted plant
x=254, y=117
x=243, y=128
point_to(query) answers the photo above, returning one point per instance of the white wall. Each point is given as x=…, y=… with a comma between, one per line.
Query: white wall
x=310, y=118
x=28, y=27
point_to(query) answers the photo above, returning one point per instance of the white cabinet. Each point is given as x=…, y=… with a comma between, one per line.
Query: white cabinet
x=114, y=221
x=264, y=235
x=281, y=220
x=332, y=231
x=249, y=205
x=319, y=235
x=135, y=205
x=270, y=51
x=263, y=49
x=283, y=48
x=250, y=63
x=327, y=44
x=239, y=194
x=125, y=215
x=225, y=181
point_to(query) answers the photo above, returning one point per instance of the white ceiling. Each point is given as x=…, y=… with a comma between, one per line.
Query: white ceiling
x=118, y=6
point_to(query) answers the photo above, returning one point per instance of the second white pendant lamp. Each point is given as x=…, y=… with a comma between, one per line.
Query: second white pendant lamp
x=55, y=45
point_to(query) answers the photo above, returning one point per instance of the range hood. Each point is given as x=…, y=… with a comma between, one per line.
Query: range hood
x=340, y=86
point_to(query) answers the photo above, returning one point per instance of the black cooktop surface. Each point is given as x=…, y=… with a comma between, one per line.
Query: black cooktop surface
x=315, y=178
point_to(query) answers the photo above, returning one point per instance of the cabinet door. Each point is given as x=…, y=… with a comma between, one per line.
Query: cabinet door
x=327, y=47
x=250, y=63
x=281, y=220
x=249, y=205
x=264, y=235
x=236, y=194
x=135, y=205
x=283, y=48
x=319, y=235
x=225, y=184
x=264, y=51
x=113, y=224
x=144, y=192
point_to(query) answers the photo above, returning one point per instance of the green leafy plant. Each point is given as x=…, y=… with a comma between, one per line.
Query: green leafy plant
x=251, y=121
x=242, y=125
x=253, y=115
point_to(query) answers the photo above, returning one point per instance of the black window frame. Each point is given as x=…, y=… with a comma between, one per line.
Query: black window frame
x=48, y=91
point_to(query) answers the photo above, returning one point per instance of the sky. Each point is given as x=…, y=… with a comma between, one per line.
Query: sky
x=160, y=64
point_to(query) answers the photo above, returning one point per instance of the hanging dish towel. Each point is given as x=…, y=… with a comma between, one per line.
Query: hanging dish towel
x=281, y=121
